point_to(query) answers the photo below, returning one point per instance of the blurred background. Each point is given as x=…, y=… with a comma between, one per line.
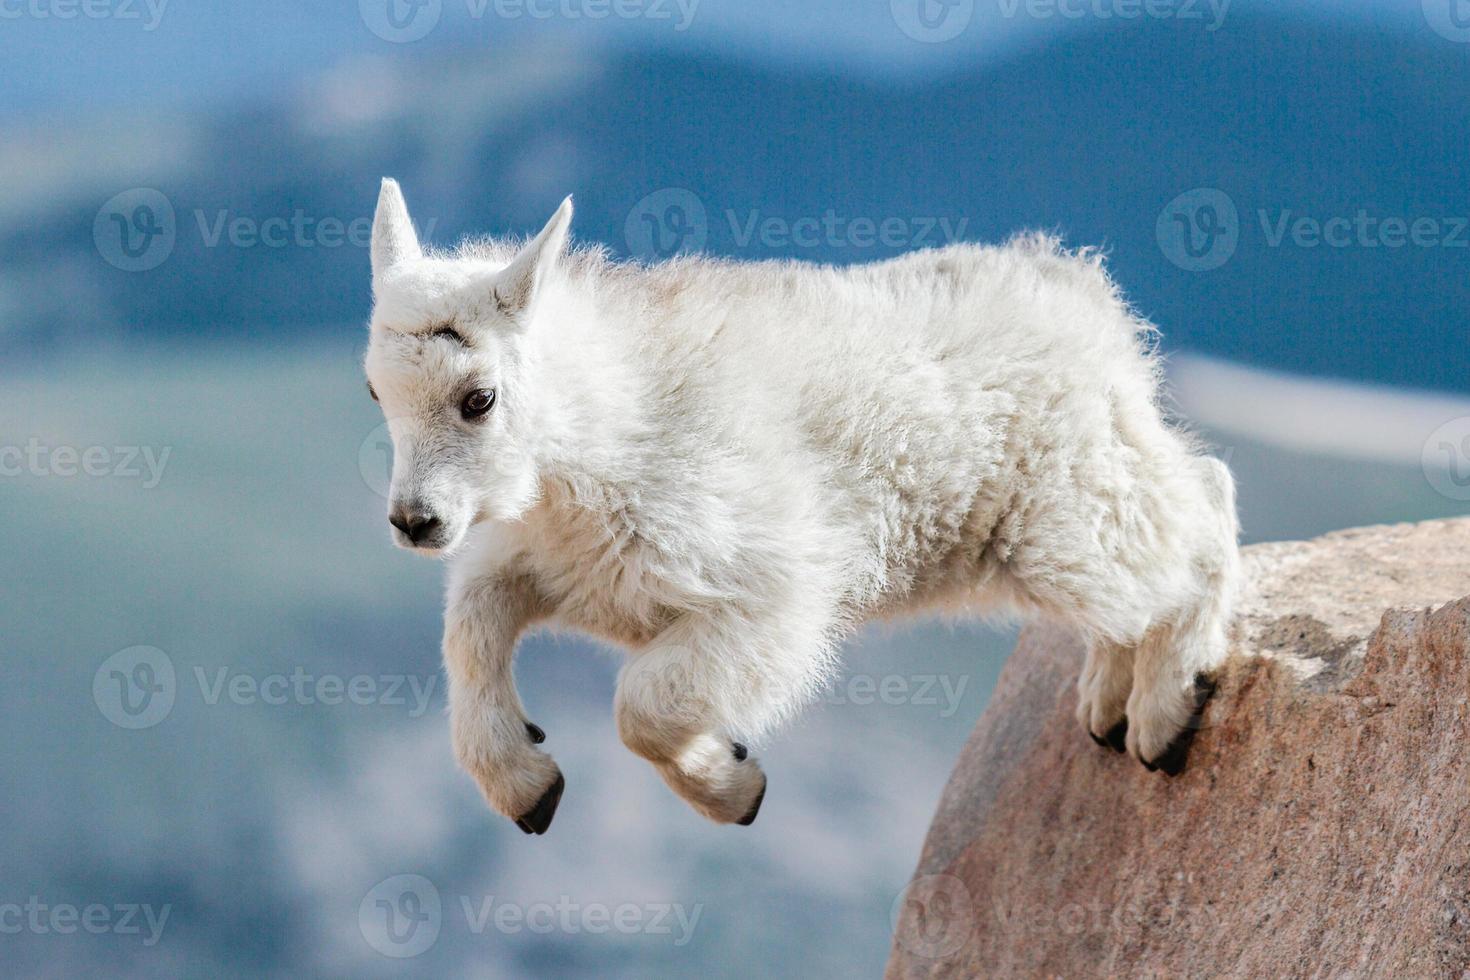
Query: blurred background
x=223, y=711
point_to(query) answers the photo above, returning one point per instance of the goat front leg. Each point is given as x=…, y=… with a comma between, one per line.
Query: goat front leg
x=705, y=677
x=493, y=740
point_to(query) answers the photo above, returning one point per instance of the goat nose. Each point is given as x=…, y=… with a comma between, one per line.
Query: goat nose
x=414, y=525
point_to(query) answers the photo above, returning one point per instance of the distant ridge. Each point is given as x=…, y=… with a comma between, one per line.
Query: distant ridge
x=1091, y=136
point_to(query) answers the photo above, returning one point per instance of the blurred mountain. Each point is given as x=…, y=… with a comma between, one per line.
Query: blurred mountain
x=1096, y=135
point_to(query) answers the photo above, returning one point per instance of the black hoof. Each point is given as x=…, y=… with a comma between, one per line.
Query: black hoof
x=755, y=808
x=1171, y=763
x=1117, y=737
x=741, y=752
x=534, y=730
x=1098, y=739
x=540, y=816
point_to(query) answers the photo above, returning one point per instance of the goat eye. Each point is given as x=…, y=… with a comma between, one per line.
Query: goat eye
x=477, y=403
x=371, y=392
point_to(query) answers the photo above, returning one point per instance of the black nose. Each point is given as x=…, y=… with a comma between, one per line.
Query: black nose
x=416, y=527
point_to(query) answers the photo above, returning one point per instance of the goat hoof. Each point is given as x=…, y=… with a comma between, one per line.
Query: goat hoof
x=1171, y=763
x=534, y=730
x=539, y=819
x=755, y=808
x=741, y=752
x=1116, y=738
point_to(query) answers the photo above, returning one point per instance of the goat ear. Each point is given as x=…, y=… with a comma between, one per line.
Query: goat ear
x=517, y=284
x=394, y=240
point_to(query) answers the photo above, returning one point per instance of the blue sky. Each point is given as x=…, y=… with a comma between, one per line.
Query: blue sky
x=168, y=51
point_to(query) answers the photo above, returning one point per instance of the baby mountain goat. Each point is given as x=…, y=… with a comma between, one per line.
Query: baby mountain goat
x=724, y=468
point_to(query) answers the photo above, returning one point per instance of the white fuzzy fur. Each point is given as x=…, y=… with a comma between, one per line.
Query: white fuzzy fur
x=723, y=468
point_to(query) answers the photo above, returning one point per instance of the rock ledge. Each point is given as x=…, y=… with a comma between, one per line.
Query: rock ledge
x=1322, y=827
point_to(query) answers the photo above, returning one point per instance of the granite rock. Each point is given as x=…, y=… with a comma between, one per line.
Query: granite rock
x=1321, y=828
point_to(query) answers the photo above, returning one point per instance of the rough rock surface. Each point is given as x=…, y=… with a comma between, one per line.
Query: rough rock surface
x=1321, y=829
